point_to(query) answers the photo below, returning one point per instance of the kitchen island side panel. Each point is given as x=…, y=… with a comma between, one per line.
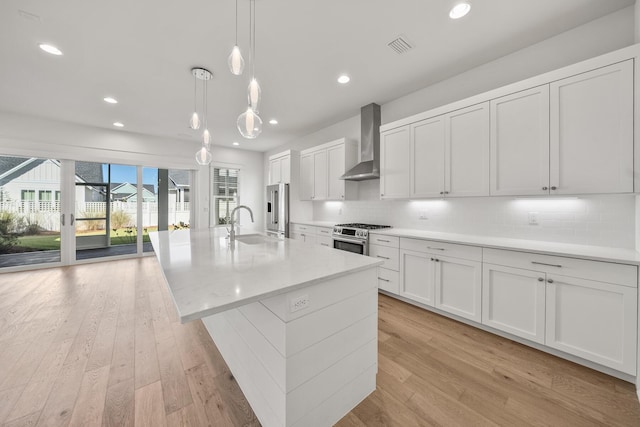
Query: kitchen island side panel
x=326, y=375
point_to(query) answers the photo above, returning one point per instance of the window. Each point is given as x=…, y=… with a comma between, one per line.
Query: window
x=28, y=195
x=225, y=194
x=44, y=195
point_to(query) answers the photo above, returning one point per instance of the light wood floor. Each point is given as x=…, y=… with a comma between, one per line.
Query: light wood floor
x=100, y=344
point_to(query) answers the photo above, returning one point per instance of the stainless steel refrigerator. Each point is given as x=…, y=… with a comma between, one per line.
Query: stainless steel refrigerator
x=278, y=210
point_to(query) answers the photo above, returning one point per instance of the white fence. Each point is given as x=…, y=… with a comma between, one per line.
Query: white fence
x=46, y=215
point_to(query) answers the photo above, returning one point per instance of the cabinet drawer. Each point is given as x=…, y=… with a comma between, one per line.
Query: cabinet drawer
x=390, y=256
x=302, y=228
x=622, y=274
x=325, y=241
x=384, y=240
x=324, y=231
x=472, y=253
x=388, y=280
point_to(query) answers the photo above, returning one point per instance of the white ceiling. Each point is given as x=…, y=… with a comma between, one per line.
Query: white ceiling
x=141, y=52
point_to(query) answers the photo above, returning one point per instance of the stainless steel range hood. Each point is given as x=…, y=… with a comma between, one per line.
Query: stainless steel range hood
x=369, y=166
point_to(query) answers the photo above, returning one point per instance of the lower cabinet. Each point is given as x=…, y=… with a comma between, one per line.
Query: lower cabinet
x=513, y=301
x=417, y=276
x=593, y=320
x=450, y=284
x=458, y=287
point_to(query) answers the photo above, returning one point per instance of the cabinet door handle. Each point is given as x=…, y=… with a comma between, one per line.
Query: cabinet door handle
x=384, y=280
x=437, y=260
x=433, y=259
x=446, y=192
x=383, y=257
x=554, y=188
x=545, y=188
x=544, y=263
x=540, y=279
x=380, y=240
x=324, y=244
x=435, y=249
x=549, y=280
x=442, y=192
x=381, y=195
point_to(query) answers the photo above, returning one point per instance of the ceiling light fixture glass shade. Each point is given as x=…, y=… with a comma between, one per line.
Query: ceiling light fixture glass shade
x=249, y=124
x=50, y=49
x=254, y=94
x=236, y=61
x=459, y=10
x=203, y=156
x=206, y=138
x=194, y=123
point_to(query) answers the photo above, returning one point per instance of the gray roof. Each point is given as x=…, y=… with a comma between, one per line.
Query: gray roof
x=8, y=163
x=179, y=177
x=89, y=171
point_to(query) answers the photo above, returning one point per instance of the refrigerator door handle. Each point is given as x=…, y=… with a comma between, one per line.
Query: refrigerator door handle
x=275, y=213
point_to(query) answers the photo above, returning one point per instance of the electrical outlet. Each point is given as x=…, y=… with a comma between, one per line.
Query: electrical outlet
x=533, y=218
x=299, y=303
x=340, y=211
x=423, y=215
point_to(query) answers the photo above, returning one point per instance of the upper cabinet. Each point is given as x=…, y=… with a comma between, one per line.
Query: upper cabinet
x=280, y=168
x=321, y=168
x=592, y=131
x=566, y=132
x=394, y=162
x=520, y=143
x=448, y=156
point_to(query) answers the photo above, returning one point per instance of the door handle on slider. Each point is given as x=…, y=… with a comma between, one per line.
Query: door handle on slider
x=544, y=263
x=72, y=220
x=62, y=219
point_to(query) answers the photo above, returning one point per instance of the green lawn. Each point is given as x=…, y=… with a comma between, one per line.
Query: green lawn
x=48, y=242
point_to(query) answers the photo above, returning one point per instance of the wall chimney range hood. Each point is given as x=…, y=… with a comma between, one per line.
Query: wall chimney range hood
x=369, y=166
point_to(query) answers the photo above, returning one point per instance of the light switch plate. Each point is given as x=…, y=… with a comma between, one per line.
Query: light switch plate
x=533, y=218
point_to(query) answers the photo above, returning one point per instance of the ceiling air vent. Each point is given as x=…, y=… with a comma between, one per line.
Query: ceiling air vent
x=400, y=44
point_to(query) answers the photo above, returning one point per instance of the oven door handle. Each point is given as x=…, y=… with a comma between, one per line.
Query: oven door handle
x=349, y=240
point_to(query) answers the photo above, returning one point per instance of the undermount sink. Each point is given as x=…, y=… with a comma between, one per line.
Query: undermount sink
x=254, y=239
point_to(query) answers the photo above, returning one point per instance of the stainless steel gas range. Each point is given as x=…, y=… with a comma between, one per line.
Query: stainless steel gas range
x=354, y=237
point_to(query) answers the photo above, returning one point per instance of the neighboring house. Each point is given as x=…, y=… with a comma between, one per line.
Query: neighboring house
x=127, y=192
x=179, y=186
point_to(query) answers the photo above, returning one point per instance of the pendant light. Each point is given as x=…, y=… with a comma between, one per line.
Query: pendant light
x=203, y=155
x=235, y=60
x=194, y=122
x=249, y=123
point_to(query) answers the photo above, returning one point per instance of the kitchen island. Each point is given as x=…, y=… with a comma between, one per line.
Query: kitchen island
x=296, y=323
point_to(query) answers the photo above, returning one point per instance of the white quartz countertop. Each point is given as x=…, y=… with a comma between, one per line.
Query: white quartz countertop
x=597, y=253
x=315, y=223
x=206, y=276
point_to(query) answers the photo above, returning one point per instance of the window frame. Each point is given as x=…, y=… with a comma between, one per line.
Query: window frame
x=213, y=220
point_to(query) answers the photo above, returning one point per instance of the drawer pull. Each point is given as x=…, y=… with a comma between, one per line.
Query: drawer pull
x=435, y=249
x=384, y=280
x=380, y=240
x=324, y=244
x=544, y=263
x=383, y=257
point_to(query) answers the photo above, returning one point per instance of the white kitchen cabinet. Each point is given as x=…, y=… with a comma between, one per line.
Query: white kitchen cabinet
x=591, y=136
x=280, y=168
x=466, y=160
x=593, y=320
x=386, y=248
x=513, y=301
x=417, y=275
x=458, y=286
x=427, y=158
x=520, y=143
x=394, y=163
x=321, y=168
x=306, y=176
x=320, y=174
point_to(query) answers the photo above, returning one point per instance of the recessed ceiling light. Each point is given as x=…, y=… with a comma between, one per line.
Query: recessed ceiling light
x=343, y=79
x=459, y=10
x=50, y=49
x=273, y=122
x=110, y=100
x=236, y=143
x=118, y=124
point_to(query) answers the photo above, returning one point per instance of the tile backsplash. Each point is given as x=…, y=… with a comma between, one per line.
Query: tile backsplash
x=602, y=220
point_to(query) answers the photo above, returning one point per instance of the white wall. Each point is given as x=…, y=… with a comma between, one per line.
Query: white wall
x=596, y=220
x=22, y=135
x=251, y=186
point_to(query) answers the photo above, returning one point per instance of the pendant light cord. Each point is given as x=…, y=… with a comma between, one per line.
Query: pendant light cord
x=206, y=127
x=253, y=44
x=236, y=22
x=195, y=94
